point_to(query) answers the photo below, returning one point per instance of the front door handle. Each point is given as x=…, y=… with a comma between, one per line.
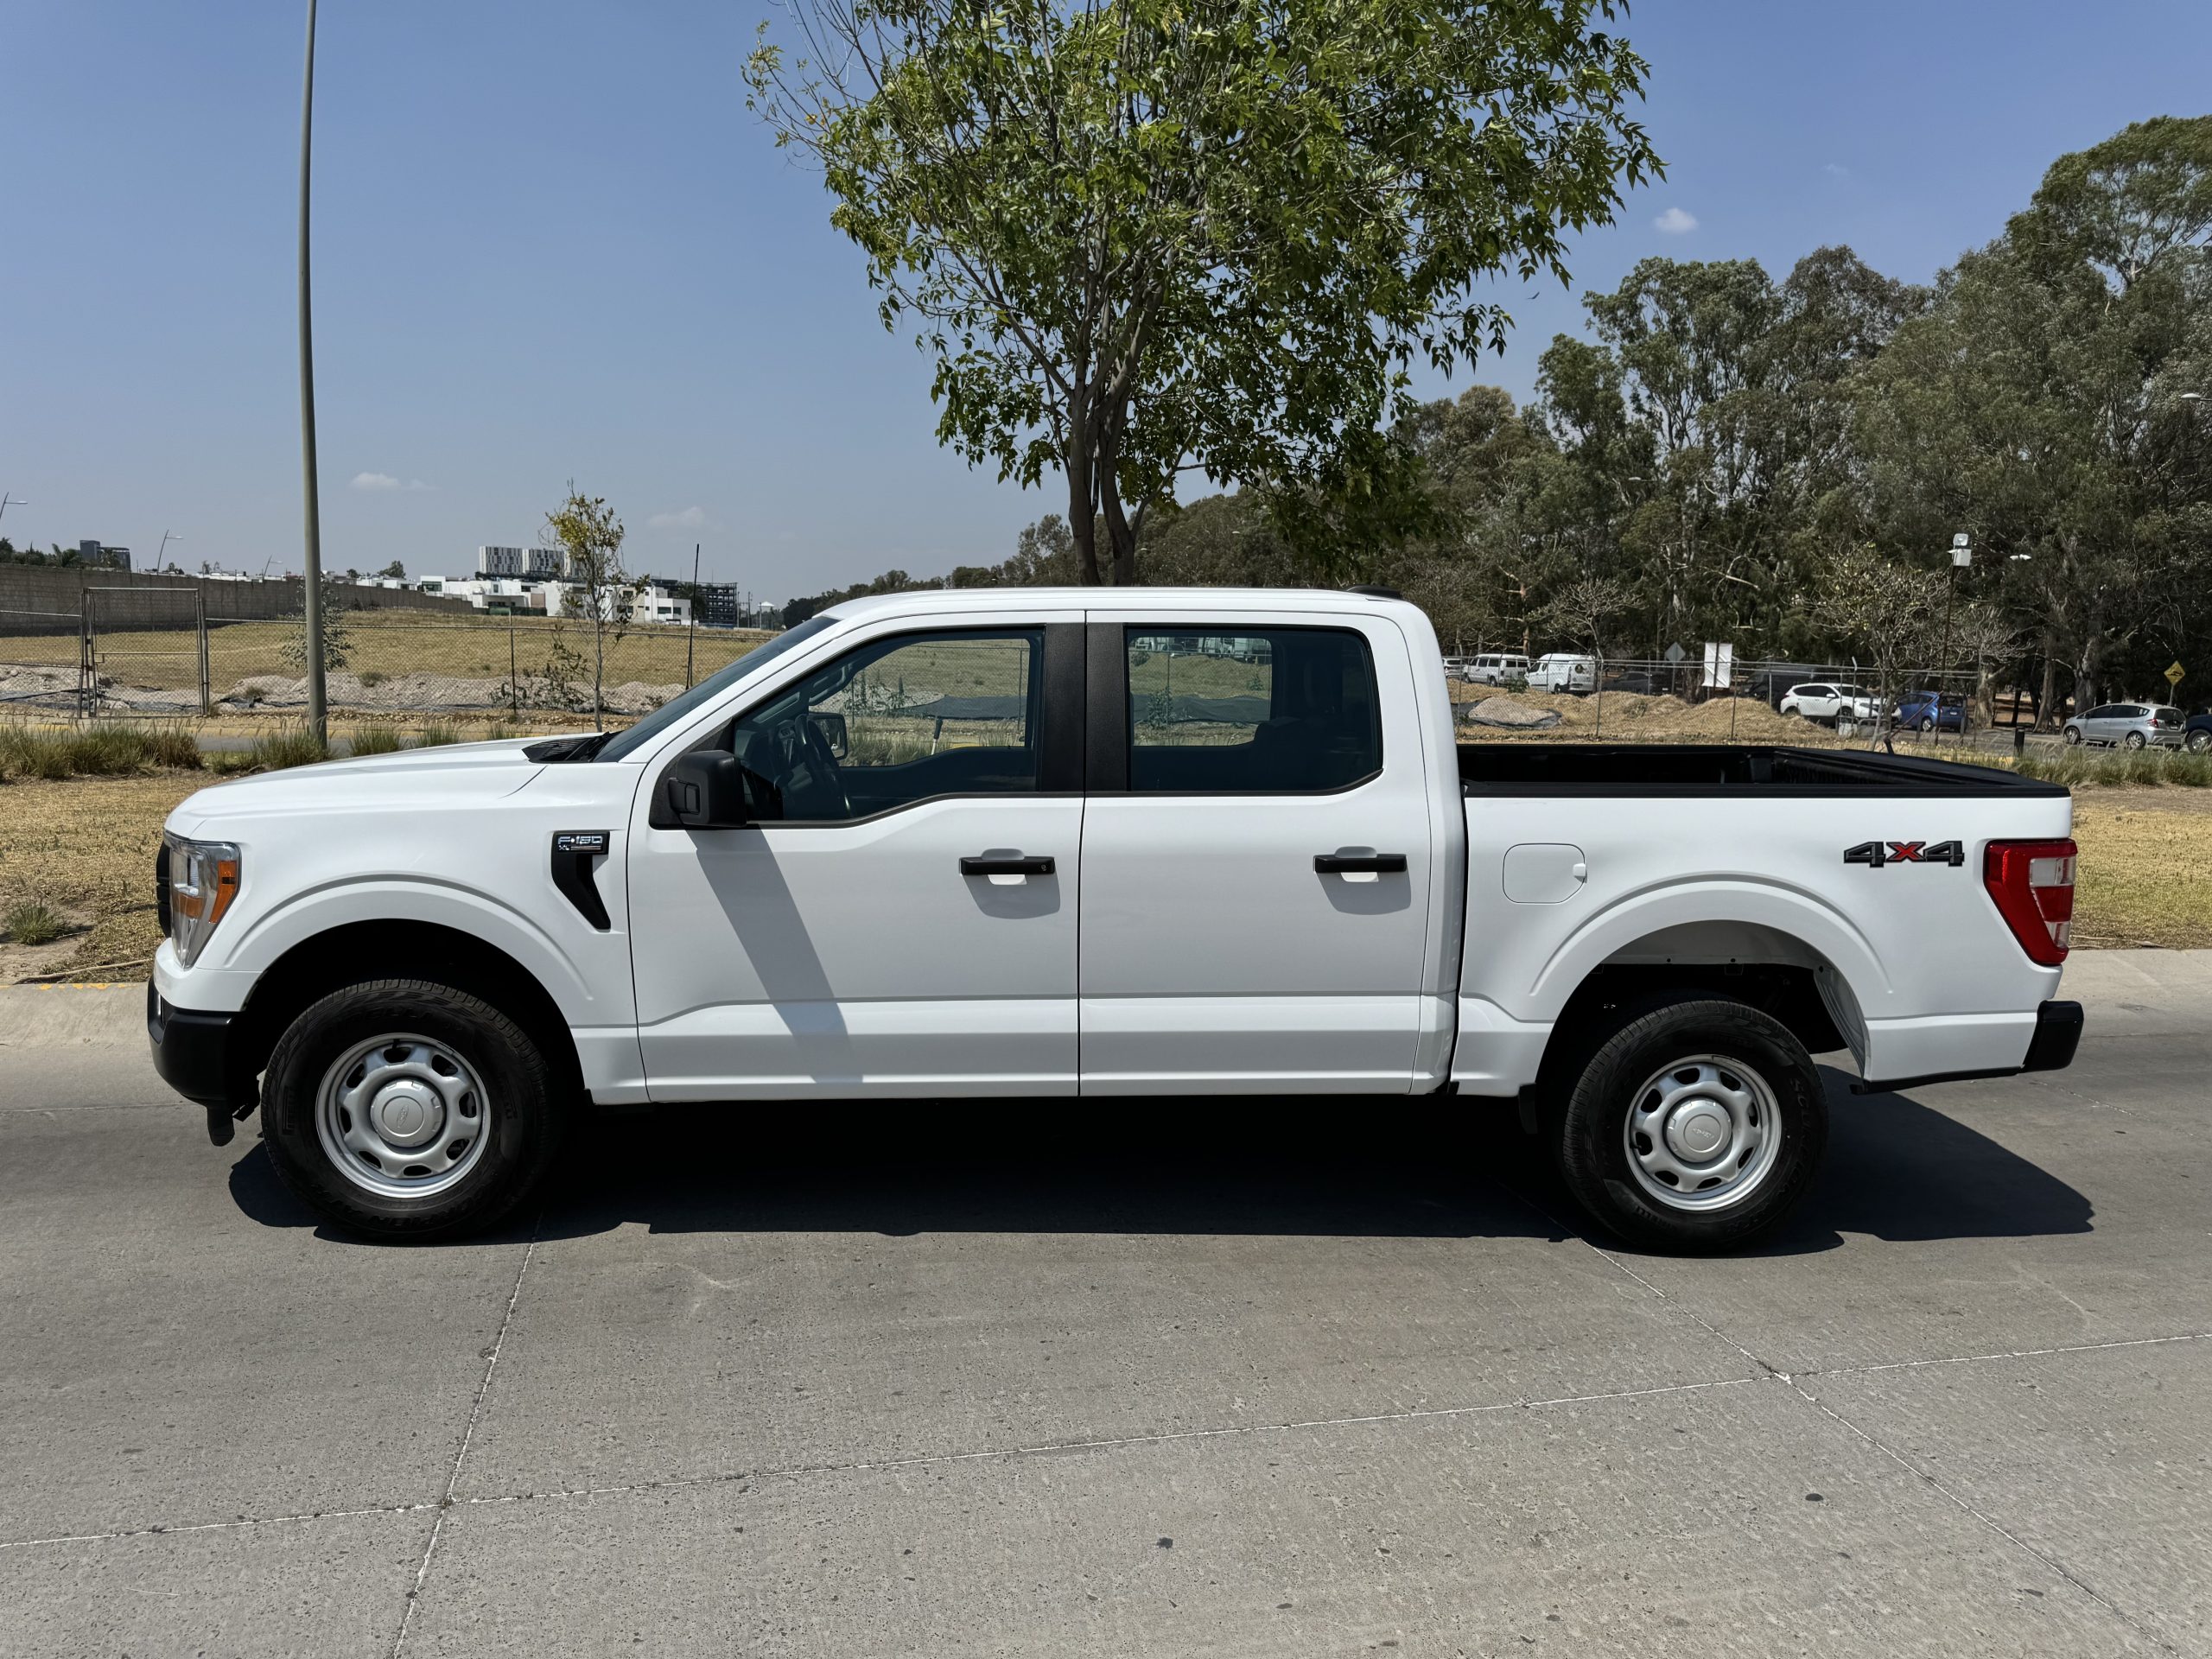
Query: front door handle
x=1015, y=865
x=1360, y=863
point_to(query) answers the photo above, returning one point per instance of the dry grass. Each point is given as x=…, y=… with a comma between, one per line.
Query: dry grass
x=2146, y=868
x=385, y=643
x=84, y=849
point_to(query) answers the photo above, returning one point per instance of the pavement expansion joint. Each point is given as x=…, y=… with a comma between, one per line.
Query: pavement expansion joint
x=467, y=1434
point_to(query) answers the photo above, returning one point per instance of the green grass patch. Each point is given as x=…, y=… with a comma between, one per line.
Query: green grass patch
x=33, y=922
x=99, y=751
x=296, y=746
x=436, y=735
x=375, y=740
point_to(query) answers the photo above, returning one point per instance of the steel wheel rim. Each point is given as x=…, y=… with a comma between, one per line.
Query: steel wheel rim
x=1703, y=1133
x=402, y=1115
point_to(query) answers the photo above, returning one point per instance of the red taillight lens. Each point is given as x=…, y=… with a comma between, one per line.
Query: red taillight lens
x=2032, y=883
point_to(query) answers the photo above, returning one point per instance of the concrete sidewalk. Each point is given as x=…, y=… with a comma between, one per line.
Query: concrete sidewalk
x=1118, y=1378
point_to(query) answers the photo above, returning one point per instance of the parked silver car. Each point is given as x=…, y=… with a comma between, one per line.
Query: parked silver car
x=2130, y=725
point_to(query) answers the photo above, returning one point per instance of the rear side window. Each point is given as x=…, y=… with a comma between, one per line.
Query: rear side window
x=2171, y=716
x=1276, y=711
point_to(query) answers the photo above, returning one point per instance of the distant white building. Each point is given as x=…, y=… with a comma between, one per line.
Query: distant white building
x=518, y=596
x=524, y=564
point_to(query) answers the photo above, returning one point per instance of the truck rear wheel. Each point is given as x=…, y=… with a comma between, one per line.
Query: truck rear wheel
x=405, y=1110
x=1694, y=1127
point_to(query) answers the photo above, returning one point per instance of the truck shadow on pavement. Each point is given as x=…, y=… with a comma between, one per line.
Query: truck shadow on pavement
x=1895, y=1171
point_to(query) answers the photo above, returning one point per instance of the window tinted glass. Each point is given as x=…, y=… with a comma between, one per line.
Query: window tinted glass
x=709, y=688
x=1272, y=711
x=2171, y=715
x=895, y=721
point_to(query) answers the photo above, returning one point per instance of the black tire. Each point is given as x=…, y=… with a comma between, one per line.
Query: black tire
x=2199, y=741
x=2071, y=734
x=1591, y=1127
x=2133, y=740
x=1928, y=723
x=521, y=1127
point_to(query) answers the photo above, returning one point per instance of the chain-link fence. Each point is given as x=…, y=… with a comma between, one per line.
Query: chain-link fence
x=133, y=653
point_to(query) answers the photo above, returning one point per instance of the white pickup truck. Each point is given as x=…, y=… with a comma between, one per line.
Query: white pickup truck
x=1101, y=842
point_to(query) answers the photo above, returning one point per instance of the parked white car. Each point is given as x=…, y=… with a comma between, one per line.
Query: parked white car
x=1829, y=700
x=1030, y=843
x=1564, y=671
x=1497, y=667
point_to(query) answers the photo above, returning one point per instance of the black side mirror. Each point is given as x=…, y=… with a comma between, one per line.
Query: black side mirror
x=704, y=790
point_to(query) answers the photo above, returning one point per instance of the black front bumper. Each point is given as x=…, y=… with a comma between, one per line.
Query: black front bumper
x=192, y=1052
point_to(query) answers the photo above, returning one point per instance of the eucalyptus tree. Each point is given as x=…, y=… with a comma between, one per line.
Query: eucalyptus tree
x=1142, y=238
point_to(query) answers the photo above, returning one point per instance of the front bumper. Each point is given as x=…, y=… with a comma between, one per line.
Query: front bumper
x=194, y=1052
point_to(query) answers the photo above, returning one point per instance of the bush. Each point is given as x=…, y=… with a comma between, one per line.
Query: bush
x=369, y=676
x=436, y=735
x=174, y=745
x=293, y=748
x=104, y=751
x=375, y=740
x=34, y=924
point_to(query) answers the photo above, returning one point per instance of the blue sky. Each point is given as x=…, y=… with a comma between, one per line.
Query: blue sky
x=551, y=241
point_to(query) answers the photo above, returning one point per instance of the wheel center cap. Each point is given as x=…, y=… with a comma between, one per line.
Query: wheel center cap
x=1698, y=1130
x=407, y=1114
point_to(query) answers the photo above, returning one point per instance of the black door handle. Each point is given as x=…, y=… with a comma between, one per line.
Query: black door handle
x=1360, y=863
x=1017, y=865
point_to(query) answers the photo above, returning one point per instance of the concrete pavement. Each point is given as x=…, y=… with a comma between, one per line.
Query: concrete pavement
x=1314, y=1379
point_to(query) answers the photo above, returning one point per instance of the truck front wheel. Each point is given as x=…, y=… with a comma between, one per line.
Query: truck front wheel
x=1694, y=1127
x=406, y=1110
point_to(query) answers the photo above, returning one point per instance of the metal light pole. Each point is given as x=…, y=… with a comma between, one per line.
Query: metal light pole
x=168, y=535
x=1961, y=556
x=7, y=501
x=318, y=711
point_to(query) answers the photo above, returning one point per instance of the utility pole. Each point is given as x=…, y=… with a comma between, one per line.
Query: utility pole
x=318, y=711
x=168, y=535
x=691, y=635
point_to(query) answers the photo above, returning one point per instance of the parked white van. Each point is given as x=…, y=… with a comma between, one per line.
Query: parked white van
x=1564, y=671
x=1497, y=667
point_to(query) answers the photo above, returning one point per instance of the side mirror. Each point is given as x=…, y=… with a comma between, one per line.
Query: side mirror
x=704, y=790
x=832, y=728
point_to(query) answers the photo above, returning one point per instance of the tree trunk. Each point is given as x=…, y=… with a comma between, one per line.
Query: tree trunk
x=2047, y=705
x=1120, y=534
x=1082, y=517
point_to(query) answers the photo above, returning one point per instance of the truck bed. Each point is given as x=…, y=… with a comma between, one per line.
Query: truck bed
x=1598, y=769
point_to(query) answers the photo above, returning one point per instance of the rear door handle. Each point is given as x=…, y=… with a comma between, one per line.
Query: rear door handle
x=1360, y=863
x=1017, y=865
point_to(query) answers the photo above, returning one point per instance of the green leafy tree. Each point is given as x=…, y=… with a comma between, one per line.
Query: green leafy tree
x=590, y=536
x=1139, y=237
x=337, y=638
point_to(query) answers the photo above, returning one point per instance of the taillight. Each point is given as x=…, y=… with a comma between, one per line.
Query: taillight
x=2032, y=882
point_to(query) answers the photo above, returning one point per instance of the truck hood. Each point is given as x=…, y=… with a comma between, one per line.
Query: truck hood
x=451, y=775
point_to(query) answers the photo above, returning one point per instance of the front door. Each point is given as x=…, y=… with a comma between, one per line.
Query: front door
x=1256, y=859
x=900, y=917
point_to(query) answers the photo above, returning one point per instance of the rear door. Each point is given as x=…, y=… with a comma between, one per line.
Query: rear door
x=1257, y=856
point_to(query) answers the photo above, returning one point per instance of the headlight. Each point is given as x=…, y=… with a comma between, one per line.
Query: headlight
x=203, y=879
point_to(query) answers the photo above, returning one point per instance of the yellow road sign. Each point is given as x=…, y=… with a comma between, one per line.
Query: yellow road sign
x=2174, y=674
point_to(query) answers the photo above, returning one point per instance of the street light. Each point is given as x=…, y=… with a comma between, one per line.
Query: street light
x=1961, y=558
x=168, y=535
x=318, y=714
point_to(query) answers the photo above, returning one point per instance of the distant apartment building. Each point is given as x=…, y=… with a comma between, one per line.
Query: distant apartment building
x=524, y=563
x=95, y=553
x=515, y=597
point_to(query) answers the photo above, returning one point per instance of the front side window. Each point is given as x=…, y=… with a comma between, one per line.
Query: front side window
x=1264, y=711
x=894, y=722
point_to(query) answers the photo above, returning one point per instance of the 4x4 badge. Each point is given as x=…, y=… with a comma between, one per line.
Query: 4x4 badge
x=1875, y=853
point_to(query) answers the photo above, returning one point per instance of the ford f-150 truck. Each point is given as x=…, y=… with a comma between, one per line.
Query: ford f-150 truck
x=1099, y=842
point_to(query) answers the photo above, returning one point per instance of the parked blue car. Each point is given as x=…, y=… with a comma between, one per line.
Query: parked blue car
x=1922, y=711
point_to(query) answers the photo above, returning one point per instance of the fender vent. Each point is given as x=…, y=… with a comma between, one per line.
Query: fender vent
x=574, y=854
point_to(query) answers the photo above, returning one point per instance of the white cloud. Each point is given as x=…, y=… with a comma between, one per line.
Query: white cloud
x=386, y=481
x=1836, y=170
x=690, y=518
x=1674, y=222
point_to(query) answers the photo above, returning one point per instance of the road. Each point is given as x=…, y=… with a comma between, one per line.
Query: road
x=1317, y=1379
